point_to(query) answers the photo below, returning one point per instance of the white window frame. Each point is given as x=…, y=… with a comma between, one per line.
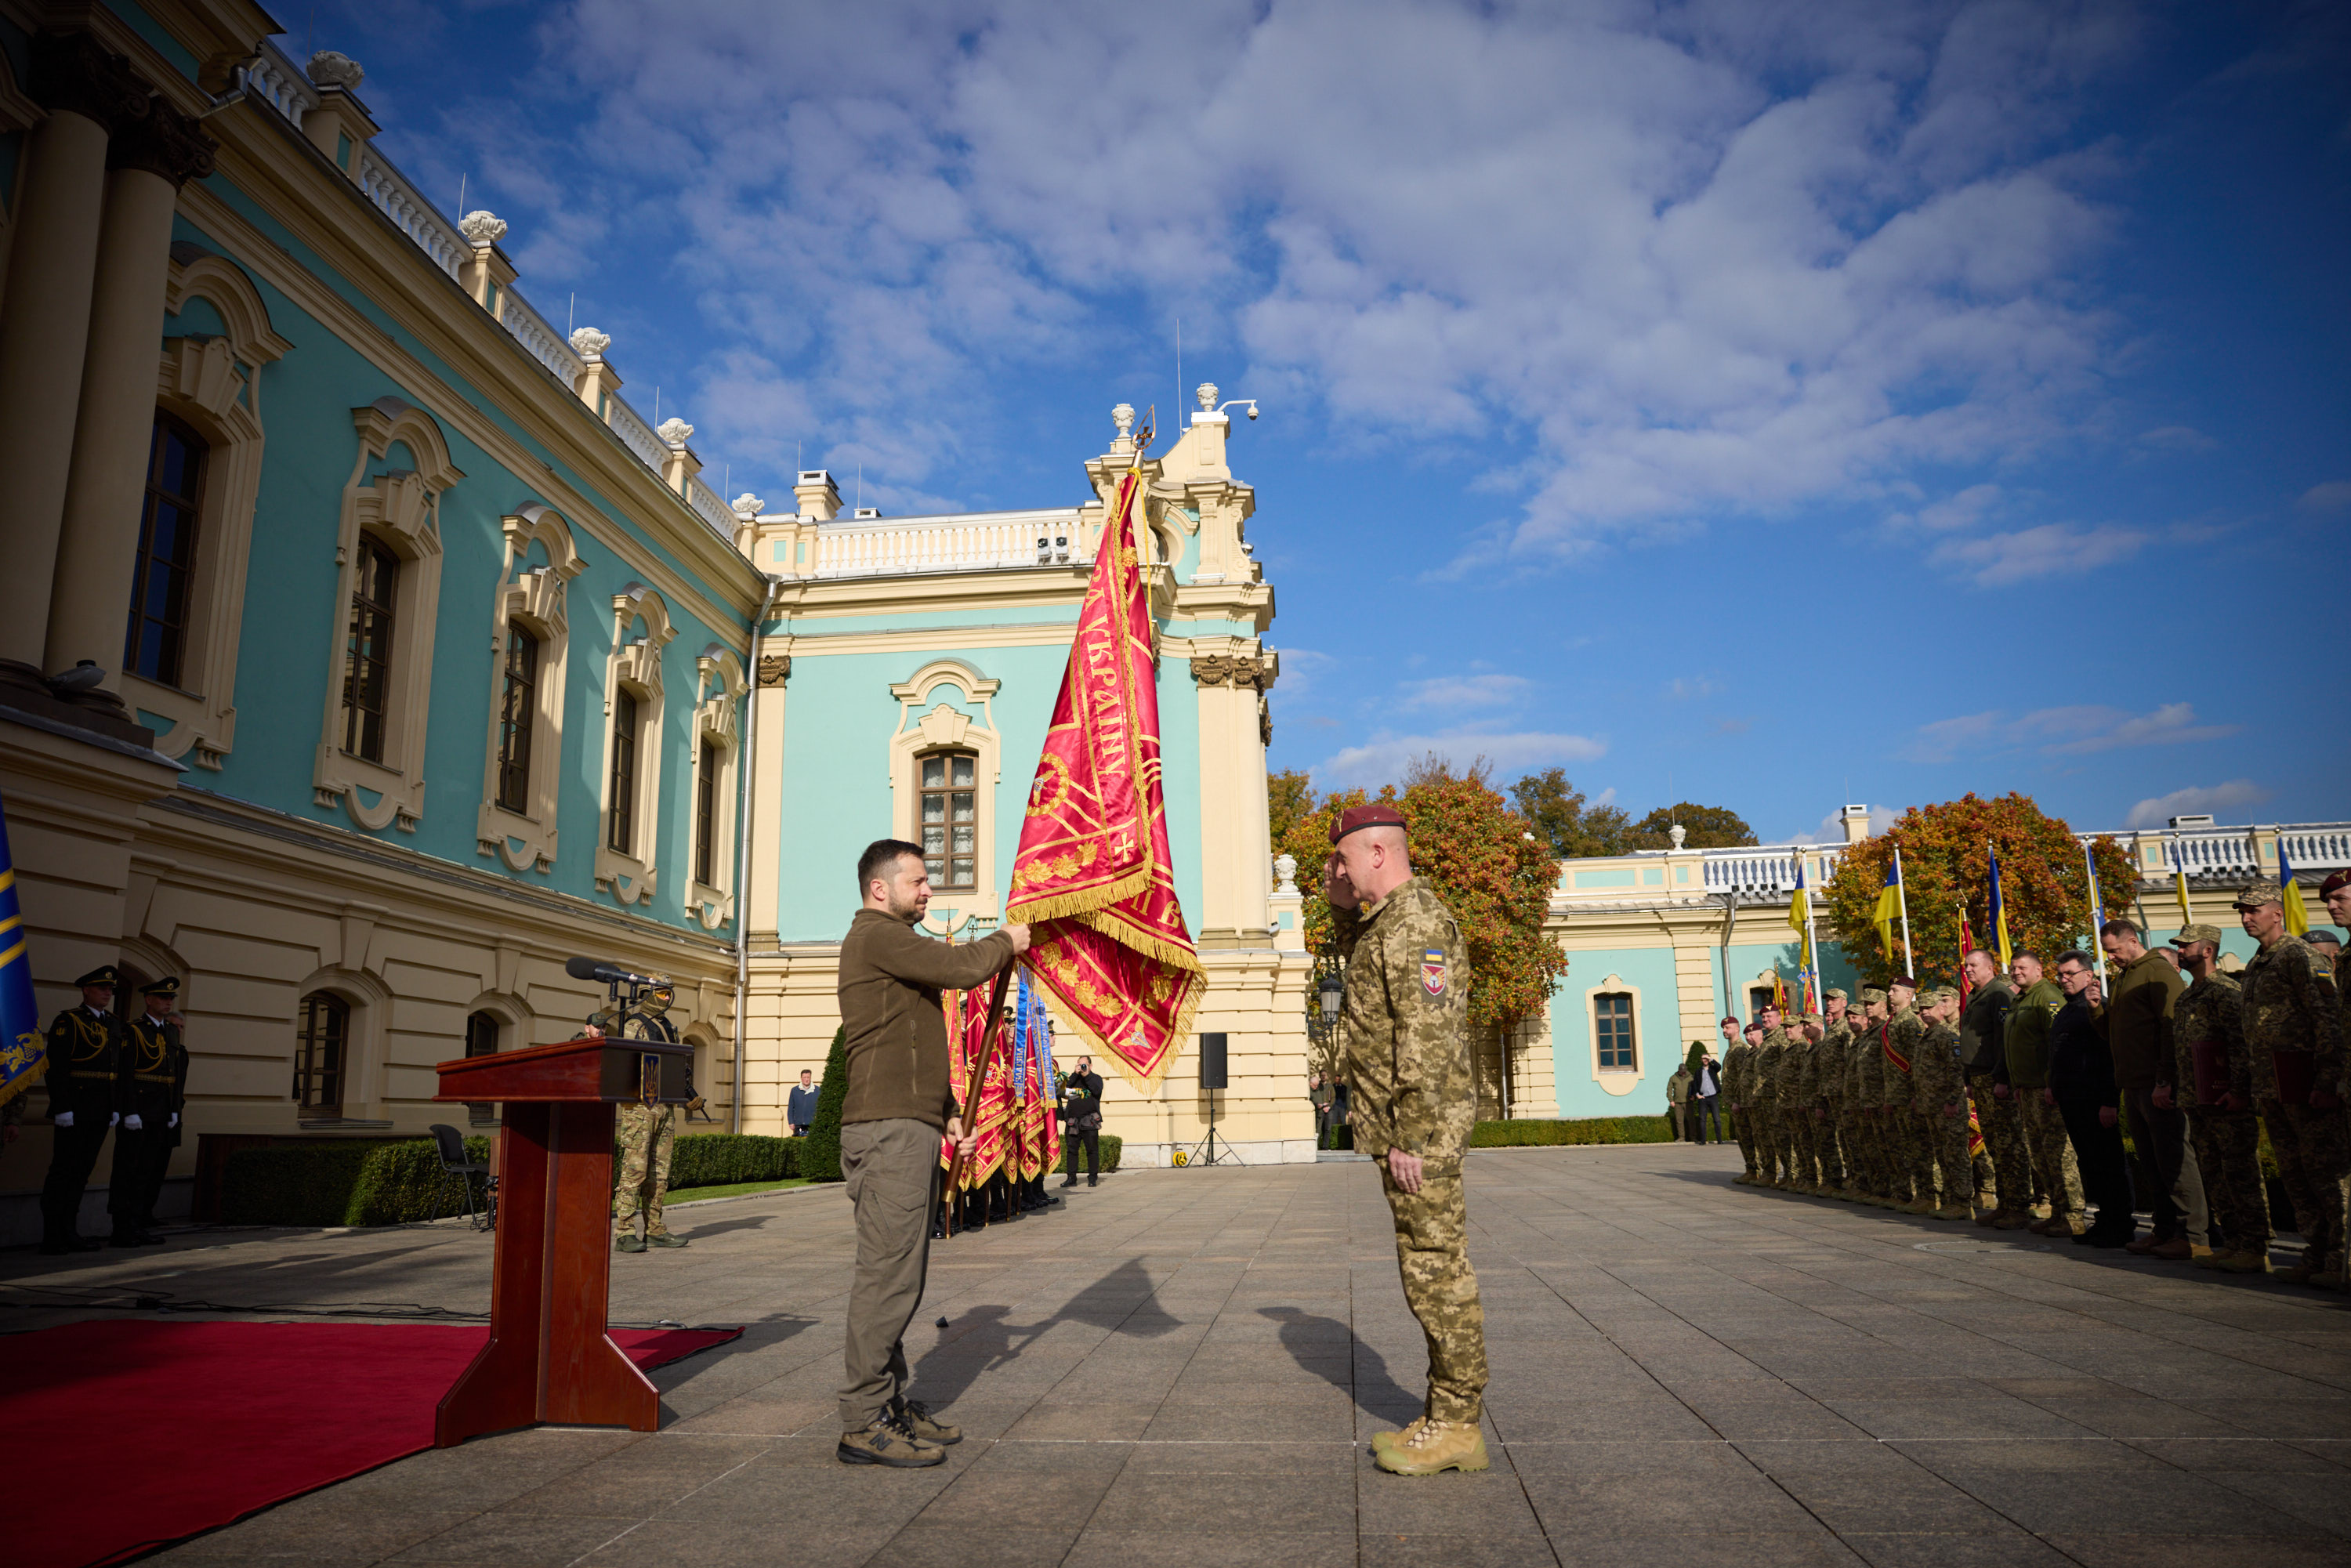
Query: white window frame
x=402, y=509
x=640, y=630
x=534, y=600
x=1615, y=1080
x=943, y=727
x=719, y=685
x=214, y=385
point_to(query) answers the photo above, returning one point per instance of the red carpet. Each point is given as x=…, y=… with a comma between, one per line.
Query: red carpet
x=122, y=1436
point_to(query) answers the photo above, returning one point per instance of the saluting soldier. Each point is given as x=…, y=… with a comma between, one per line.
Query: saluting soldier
x=647, y=1133
x=155, y=1089
x=1407, y=1060
x=2208, y=1072
x=2294, y=1028
x=85, y=1099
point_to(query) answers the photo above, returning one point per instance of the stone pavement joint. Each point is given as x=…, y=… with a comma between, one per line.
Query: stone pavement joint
x=1187, y=1366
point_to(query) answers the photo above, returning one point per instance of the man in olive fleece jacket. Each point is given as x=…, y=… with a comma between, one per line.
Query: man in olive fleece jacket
x=2136, y=1024
x=897, y=1105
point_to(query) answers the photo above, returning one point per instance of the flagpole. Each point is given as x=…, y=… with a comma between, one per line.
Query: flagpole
x=2097, y=915
x=1813, y=947
x=974, y=1078
x=1902, y=895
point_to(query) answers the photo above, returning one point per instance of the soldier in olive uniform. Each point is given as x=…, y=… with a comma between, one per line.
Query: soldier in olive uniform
x=84, y=1075
x=155, y=1081
x=2024, y=1047
x=647, y=1133
x=2294, y=1029
x=1770, y=1154
x=1834, y=1072
x=1939, y=1099
x=1407, y=1061
x=2208, y=1072
x=1983, y=1026
x=1736, y=1060
x=1866, y=1092
x=1904, y=1032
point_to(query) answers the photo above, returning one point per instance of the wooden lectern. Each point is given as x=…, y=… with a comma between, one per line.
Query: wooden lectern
x=548, y=1358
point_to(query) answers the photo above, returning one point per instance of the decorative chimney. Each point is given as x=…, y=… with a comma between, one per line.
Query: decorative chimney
x=341, y=125
x=1856, y=823
x=818, y=498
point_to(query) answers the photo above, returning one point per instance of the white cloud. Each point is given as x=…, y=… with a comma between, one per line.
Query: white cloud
x=1682, y=688
x=1302, y=669
x=2331, y=496
x=2177, y=438
x=1382, y=759
x=1998, y=559
x=2074, y=731
x=1831, y=830
x=1728, y=257
x=2217, y=797
x=1454, y=692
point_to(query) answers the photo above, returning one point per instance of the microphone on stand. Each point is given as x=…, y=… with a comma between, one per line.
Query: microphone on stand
x=605, y=974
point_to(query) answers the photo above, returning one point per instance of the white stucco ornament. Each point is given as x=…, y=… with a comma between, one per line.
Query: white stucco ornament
x=1207, y=396
x=328, y=68
x=1285, y=871
x=675, y=431
x=590, y=344
x=482, y=226
x=1123, y=417
x=747, y=505
x=1677, y=834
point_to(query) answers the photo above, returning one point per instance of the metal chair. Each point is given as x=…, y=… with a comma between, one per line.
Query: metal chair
x=455, y=1166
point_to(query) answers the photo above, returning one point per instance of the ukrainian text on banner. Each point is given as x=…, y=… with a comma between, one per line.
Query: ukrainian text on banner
x=24, y=1054
x=1110, y=949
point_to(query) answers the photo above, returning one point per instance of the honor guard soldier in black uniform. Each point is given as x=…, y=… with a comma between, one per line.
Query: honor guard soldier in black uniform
x=85, y=1099
x=155, y=1073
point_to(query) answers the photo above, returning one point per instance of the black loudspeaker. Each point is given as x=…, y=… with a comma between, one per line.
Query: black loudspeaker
x=1212, y=1061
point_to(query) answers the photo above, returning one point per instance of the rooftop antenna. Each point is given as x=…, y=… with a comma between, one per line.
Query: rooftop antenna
x=860, y=484
x=656, y=407
x=569, y=311
x=1180, y=362
x=461, y=195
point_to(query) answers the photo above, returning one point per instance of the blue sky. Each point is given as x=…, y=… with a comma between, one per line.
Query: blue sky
x=1768, y=406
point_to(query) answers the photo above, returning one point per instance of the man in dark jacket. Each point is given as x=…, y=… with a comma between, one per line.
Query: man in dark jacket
x=2137, y=1022
x=1082, y=1093
x=897, y=1105
x=2082, y=1086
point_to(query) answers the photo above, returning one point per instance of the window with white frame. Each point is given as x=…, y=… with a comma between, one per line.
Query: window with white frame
x=627, y=851
x=946, y=763
x=530, y=634
x=949, y=794
x=370, y=757
x=709, y=892
x=1612, y=1031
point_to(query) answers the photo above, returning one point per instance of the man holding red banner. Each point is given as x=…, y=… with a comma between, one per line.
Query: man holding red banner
x=1407, y=1061
x=898, y=1103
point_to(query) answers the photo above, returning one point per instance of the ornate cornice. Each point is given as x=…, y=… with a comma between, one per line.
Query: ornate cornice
x=166, y=143
x=1233, y=670
x=73, y=74
x=775, y=669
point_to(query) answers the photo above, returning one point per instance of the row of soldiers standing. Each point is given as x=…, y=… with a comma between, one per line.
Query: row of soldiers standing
x=104, y=1075
x=1882, y=1104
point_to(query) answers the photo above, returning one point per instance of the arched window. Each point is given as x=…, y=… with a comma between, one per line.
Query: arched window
x=706, y=815
x=321, y=1048
x=481, y=1039
x=622, y=835
x=516, y=707
x=164, y=569
x=950, y=818
x=367, y=677
x=1612, y=1030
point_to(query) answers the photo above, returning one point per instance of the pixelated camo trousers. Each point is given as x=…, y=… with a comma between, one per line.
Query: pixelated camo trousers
x=646, y=1134
x=2003, y=1131
x=2228, y=1156
x=1432, y=1251
x=2052, y=1153
x=2313, y=1157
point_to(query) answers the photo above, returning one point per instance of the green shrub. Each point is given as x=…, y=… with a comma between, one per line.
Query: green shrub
x=820, y=1152
x=1523, y=1135
x=341, y=1181
x=1073, y=1159
x=722, y=1159
x=1111, y=1145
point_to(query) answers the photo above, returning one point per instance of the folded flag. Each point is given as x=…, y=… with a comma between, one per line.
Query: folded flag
x=23, y=1054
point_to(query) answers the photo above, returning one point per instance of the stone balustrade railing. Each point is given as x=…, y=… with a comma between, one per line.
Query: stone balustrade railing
x=635, y=433
x=281, y=84
x=409, y=212
x=988, y=542
x=539, y=340
x=708, y=506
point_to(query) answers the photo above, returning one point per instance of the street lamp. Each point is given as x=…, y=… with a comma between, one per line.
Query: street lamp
x=1333, y=992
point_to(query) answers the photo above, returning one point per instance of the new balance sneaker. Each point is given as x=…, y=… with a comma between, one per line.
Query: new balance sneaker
x=920, y=1424
x=886, y=1440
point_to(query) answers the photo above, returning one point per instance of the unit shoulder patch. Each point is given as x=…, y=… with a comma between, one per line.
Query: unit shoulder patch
x=1432, y=971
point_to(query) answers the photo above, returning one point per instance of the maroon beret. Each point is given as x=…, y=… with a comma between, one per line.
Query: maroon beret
x=1372, y=815
x=2340, y=879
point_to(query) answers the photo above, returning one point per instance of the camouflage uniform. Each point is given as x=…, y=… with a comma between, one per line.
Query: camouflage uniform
x=1781, y=1052
x=1736, y=1061
x=1937, y=1081
x=2025, y=1041
x=1982, y=1024
x=2211, y=1013
x=2294, y=1030
x=1804, y=1098
x=1779, y=1164
x=647, y=1135
x=1866, y=1092
x=1407, y=1063
x=1914, y=1174
x=1831, y=1059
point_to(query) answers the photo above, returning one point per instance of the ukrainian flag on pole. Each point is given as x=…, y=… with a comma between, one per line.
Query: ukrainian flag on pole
x=2297, y=916
x=2179, y=881
x=1999, y=915
x=23, y=1055
x=1889, y=907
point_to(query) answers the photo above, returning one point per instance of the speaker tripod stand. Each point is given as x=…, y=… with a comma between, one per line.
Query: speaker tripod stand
x=1204, y=1152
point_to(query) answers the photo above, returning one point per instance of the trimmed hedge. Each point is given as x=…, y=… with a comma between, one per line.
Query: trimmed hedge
x=1591, y=1130
x=354, y=1181
x=722, y=1159
x=821, y=1150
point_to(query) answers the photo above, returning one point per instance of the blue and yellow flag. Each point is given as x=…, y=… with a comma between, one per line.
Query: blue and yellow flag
x=2297, y=915
x=1889, y=907
x=23, y=1055
x=1999, y=916
x=1800, y=917
x=2179, y=881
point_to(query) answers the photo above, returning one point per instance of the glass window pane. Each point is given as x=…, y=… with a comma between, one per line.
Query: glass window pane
x=963, y=808
x=934, y=772
x=965, y=841
x=962, y=875
x=963, y=766
x=935, y=809
x=934, y=840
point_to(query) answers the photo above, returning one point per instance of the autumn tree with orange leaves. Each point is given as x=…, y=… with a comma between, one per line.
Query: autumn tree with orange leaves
x=1946, y=851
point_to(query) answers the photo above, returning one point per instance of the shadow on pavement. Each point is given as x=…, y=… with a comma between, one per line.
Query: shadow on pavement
x=1329, y=1349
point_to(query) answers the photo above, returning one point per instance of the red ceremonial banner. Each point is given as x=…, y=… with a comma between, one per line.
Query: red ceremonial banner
x=991, y=1119
x=1110, y=946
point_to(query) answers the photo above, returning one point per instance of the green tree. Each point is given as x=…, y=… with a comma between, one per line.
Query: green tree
x=1558, y=816
x=1704, y=828
x=1945, y=868
x=821, y=1150
x=1289, y=796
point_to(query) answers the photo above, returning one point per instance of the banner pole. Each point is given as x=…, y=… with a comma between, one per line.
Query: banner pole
x=1902, y=894
x=973, y=1080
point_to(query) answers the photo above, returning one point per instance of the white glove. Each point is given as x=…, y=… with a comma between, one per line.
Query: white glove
x=175, y=1119
x=63, y=1118
x=112, y=1117
x=133, y=1123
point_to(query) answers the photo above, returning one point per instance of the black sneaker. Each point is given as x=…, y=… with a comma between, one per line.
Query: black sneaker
x=884, y=1441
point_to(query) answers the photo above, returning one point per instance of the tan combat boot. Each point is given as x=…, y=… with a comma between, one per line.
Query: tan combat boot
x=1952, y=1212
x=2245, y=1262
x=1436, y=1445
x=2011, y=1220
x=1383, y=1441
